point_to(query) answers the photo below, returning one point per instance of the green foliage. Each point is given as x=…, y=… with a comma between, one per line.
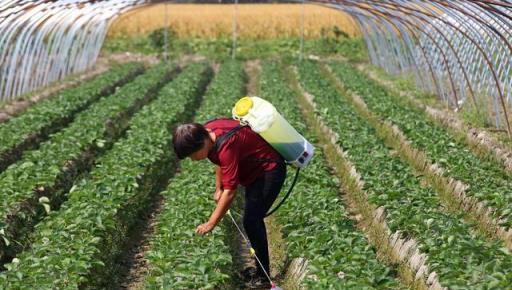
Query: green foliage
x=157, y=37
x=45, y=117
x=51, y=169
x=475, y=117
x=461, y=259
x=178, y=258
x=74, y=247
x=486, y=178
x=221, y=49
x=315, y=223
x=405, y=82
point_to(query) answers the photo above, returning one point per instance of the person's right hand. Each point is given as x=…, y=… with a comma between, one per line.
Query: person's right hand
x=217, y=195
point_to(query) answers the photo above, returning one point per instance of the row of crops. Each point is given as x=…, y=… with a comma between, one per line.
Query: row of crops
x=97, y=210
x=79, y=170
x=454, y=252
x=29, y=129
x=51, y=169
x=486, y=179
x=178, y=258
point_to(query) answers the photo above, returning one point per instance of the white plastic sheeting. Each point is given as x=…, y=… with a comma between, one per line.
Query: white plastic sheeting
x=44, y=41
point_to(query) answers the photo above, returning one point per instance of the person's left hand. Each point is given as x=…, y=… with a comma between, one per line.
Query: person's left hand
x=204, y=228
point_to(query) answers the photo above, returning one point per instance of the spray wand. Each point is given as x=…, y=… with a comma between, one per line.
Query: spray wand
x=253, y=253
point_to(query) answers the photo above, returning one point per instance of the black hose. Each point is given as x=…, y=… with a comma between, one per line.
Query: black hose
x=287, y=194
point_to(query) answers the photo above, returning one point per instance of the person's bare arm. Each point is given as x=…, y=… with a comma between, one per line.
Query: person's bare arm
x=228, y=167
x=227, y=197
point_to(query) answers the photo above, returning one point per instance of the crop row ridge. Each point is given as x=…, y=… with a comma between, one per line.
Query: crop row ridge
x=452, y=192
x=18, y=106
x=151, y=182
x=34, y=139
x=480, y=141
x=24, y=217
x=393, y=248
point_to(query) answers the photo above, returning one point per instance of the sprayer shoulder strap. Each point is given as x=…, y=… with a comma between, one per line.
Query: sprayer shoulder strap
x=224, y=137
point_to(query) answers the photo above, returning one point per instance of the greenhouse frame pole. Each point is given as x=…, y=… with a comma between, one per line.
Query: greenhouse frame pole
x=235, y=19
x=166, y=33
x=301, y=54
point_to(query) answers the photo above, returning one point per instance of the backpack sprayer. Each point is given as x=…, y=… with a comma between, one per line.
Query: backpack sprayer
x=263, y=118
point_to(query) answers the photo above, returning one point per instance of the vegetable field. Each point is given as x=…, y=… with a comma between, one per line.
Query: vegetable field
x=362, y=216
x=403, y=192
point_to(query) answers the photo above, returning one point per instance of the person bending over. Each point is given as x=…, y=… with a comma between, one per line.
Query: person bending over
x=241, y=157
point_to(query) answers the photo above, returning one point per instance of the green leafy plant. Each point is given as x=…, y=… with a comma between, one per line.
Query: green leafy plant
x=28, y=129
x=178, y=258
x=221, y=48
x=461, y=259
x=316, y=224
x=76, y=246
x=49, y=172
x=487, y=179
x=157, y=37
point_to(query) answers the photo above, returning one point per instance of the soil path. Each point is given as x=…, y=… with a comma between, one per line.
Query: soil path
x=133, y=263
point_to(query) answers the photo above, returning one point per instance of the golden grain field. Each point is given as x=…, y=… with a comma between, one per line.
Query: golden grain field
x=255, y=21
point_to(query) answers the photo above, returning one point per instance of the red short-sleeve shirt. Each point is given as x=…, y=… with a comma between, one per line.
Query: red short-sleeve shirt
x=237, y=156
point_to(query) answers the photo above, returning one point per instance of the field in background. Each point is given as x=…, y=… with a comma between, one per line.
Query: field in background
x=255, y=21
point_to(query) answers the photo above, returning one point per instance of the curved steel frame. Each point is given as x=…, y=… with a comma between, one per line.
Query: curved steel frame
x=460, y=50
x=44, y=42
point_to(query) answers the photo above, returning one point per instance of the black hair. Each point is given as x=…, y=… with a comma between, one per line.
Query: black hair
x=188, y=138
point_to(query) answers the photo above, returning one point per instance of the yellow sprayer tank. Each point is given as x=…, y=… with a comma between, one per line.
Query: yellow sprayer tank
x=264, y=119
